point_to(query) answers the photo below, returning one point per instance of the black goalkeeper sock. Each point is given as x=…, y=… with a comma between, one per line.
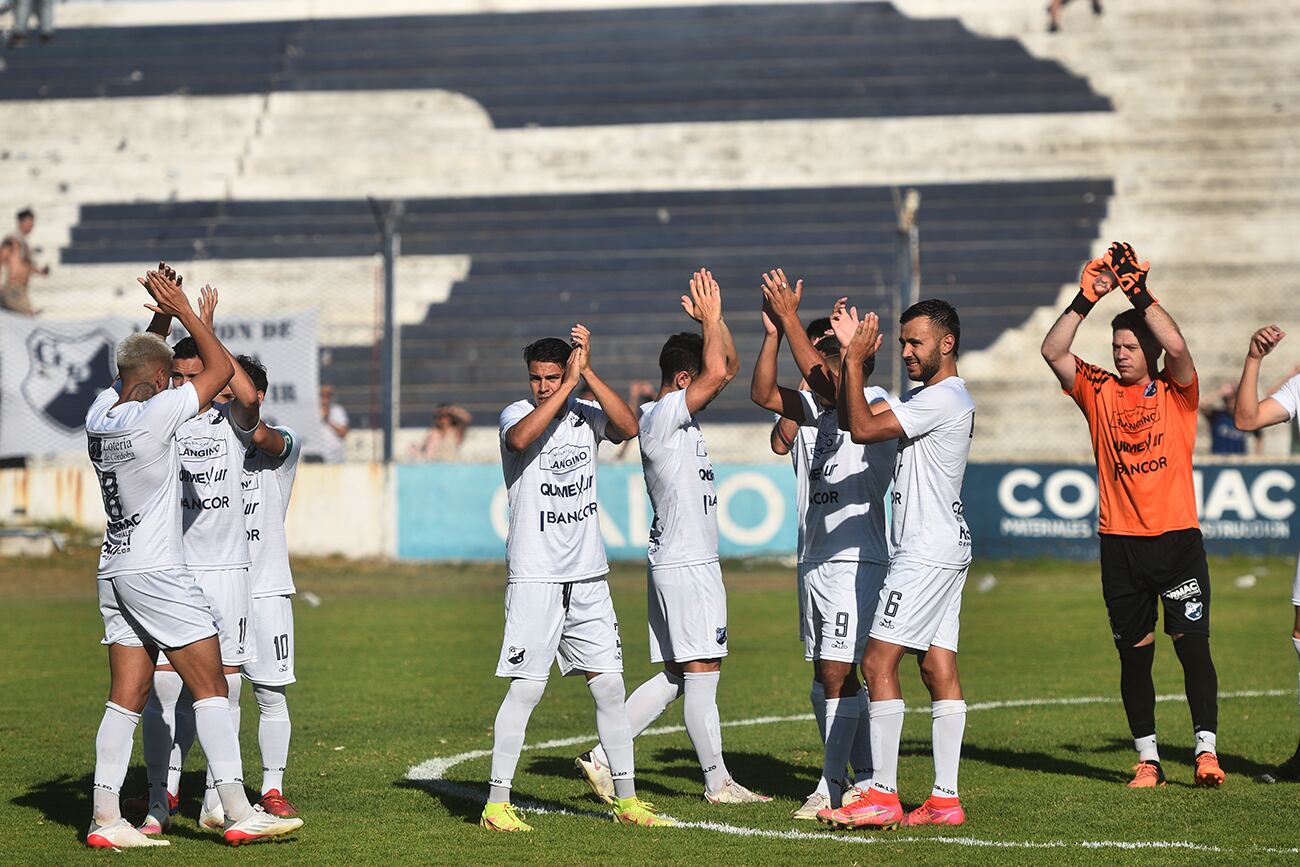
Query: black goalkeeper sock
x=1200, y=680
x=1137, y=689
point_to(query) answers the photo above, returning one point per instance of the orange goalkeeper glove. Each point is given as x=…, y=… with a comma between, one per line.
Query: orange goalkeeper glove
x=1131, y=274
x=1088, y=294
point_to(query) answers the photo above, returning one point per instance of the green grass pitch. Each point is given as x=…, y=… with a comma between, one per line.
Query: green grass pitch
x=395, y=668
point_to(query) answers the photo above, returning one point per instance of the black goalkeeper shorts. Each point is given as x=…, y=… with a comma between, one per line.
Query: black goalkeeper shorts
x=1138, y=570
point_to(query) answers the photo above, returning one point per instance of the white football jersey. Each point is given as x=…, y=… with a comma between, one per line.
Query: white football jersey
x=133, y=450
x=842, y=487
x=212, y=506
x=554, y=530
x=929, y=520
x=805, y=436
x=1288, y=395
x=679, y=479
x=268, y=482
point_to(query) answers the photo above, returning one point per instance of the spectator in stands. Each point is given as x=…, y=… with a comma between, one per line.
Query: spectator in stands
x=17, y=266
x=334, y=428
x=1225, y=439
x=443, y=441
x=23, y=16
x=1054, y=13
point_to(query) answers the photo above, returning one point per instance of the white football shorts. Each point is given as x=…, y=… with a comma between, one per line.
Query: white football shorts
x=164, y=609
x=231, y=601
x=687, y=608
x=920, y=606
x=572, y=623
x=273, y=642
x=838, y=601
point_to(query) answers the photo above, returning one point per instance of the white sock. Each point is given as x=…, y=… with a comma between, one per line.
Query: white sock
x=841, y=727
x=946, y=730
x=113, y=745
x=508, y=734
x=1205, y=742
x=704, y=727
x=184, y=739
x=273, y=731
x=1146, y=748
x=886, y=732
x=860, y=752
x=646, y=704
x=612, y=726
x=221, y=745
x=817, y=697
x=234, y=685
x=158, y=732
x=1296, y=642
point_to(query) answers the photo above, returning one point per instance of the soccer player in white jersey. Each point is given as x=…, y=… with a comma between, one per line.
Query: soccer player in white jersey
x=211, y=447
x=842, y=553
x=557, y=600
x=270, y=466
x=1253, y=414
x=687, y=599
x=147, y=596
x=920, y=604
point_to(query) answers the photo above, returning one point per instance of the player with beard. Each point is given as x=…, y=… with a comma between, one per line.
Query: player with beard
x=147, y=595
x=687, y=598
x=211, y=447
x=1142, y=420
x=920, y=604
x=842, y=554
x=557, y=598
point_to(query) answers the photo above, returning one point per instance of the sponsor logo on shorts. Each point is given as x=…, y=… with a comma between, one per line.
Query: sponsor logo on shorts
x=515, y=655
x=1194, y=610
x=885, y=624
x=721, y=634
x=839, y=644
x=1186, y=590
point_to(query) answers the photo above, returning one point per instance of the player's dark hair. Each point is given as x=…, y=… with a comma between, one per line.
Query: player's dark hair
x=552, y=350
x=826, y=344
x=941, y=314
x=1135, y=321
x=255, y=369
x=681, y=352
x=185, y=348
x=25, y=213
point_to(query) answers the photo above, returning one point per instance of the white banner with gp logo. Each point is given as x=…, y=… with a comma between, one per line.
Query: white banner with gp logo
x=51, y=371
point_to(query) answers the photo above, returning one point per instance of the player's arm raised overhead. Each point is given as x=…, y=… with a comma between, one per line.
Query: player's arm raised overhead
x=783, y=306
x=622, y=420
x=718, y=364
x=161, y=323
x=1251, y=413
x=865, y=424
x=171, y=301
x=1131, y=275
x=765, y=392
x=244, y=410
x=1095, y=281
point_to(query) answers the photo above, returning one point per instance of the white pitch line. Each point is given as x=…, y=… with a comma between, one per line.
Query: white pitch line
x=430, y=775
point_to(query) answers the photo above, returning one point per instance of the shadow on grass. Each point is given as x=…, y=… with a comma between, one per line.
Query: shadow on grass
x=465, y=801
x=762, y=772
x=1031, y=760
x=66, y=801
